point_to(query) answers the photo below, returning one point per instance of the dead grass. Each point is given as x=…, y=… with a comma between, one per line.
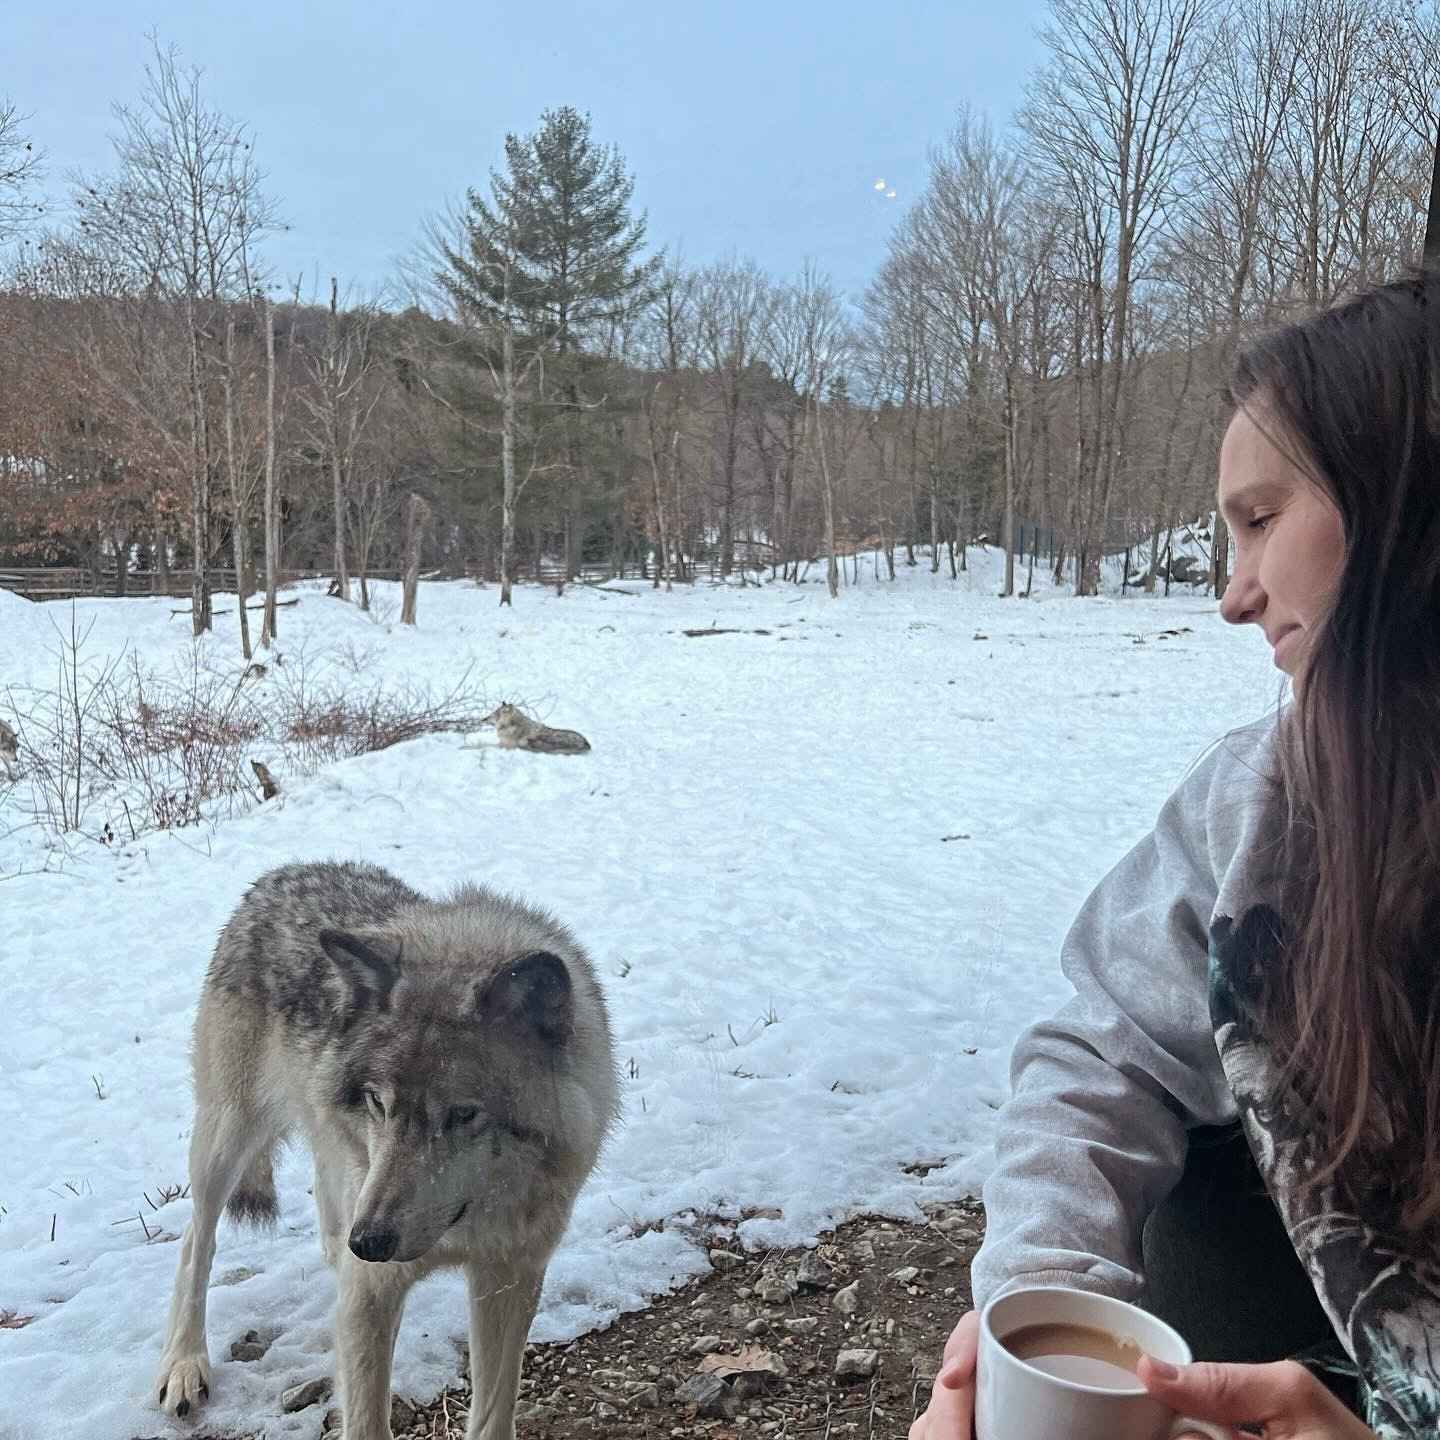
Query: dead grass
x=114, y=750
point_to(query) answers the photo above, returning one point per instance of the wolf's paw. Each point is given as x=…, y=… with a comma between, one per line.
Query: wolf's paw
x=183, y=1384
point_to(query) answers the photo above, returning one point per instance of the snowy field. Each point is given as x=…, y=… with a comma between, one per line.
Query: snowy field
x=824, y=872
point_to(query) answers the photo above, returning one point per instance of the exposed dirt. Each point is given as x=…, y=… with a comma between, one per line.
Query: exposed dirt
x=753, y=1347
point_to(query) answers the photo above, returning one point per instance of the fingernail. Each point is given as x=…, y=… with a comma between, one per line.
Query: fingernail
x=1163, y=1368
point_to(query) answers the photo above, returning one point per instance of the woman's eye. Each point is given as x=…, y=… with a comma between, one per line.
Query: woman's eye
x=1261, y=521
x=375, y=1104
x=459, y=1115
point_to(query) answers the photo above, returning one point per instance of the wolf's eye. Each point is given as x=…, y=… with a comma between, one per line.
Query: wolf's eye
x=458, y=1115
x=374, y=1103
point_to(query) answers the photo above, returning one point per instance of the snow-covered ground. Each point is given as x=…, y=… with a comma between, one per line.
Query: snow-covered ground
x=824, y=871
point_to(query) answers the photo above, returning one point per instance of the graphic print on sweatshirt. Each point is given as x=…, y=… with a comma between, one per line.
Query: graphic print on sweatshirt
x=1380, y=1288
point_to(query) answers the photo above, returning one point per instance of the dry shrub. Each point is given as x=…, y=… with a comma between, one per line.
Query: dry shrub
x=115, y=750
x=324, y=722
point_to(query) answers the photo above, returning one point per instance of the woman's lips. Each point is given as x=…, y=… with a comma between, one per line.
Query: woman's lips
x=1284, y=644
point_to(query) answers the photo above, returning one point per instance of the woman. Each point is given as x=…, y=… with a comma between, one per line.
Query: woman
x=1265, y=961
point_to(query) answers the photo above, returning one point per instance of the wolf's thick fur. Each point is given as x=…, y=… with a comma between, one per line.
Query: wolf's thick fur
x=515, y=730
x=449, y=1062
x=9, y=749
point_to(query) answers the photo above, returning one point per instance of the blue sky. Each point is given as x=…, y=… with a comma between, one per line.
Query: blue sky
x=752, y=129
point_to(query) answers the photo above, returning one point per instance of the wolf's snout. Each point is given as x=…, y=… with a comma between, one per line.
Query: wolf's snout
x=370, y=1243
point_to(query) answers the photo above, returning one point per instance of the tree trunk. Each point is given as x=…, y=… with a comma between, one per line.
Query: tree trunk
x=617, y=547
x=1220, y=557
x=239, y=531
x=827, y=490
x=272, y=514
x=337, y=474
x=934, y=520
x=657, y=499
x=1154, y=559
x=1009, y=532
x=574, y=544
x=417, y=516
x=200, y=618
x=160, y=581
x=677, y=538
x=507, y=456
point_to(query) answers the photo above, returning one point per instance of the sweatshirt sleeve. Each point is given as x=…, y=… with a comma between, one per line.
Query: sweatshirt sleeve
x=1094, y=1133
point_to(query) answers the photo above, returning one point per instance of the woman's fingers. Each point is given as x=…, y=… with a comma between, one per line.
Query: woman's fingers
x=964, y=1341
x=951, y=1413
x=1286, y=1398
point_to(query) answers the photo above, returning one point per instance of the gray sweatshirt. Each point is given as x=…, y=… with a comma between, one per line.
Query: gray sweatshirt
x=1163, y=1035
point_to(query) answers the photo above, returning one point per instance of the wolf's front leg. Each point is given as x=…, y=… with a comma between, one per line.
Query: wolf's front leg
x=332, y=1210
x=502, y=1305
x=367, y=1318
x=222, y=1143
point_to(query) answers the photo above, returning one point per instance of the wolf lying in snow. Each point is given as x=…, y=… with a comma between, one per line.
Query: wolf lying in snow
x=515, y=730
x=449, y=1062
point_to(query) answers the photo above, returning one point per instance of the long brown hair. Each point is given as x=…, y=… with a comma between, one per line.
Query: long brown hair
x=1355, y=390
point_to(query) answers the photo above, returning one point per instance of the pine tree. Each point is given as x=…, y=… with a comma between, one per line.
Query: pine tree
x=549, y=265
x=491, y=292
x=580, y=258
x=579, y=245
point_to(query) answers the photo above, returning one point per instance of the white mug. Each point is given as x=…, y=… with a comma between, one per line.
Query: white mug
x=1015, y=1401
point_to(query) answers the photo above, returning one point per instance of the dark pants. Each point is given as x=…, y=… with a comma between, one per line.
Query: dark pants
x=1220, y=1267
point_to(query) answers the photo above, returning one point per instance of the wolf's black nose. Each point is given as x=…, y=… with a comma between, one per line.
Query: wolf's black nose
x=371, y=1244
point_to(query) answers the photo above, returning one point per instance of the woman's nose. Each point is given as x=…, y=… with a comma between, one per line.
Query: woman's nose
x=1244, y=600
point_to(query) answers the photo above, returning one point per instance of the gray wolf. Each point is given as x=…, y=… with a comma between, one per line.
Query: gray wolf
x=449, y=1062
x=9, y=749
x=515, y=730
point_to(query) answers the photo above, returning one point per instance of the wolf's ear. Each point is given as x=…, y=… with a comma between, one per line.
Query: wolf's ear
x=368, y=960
x=535, y=988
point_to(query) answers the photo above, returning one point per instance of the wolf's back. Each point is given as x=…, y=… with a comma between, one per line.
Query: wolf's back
x=269, y=951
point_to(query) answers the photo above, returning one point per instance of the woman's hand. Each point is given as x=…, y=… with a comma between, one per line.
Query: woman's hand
x=1285, y=1398
x=951, y=1415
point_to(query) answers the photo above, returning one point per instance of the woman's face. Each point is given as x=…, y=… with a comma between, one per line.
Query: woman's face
x=1289, y=542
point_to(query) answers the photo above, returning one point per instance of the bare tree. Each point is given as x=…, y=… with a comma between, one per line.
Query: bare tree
x=824, y=349
x=666, y=349
x=792, y=350
x=339, y=400
x=1249, y=93
x=902, y=338
x=1107, y=117
x=988, y=259
x=20, y=166
x=1337, y=147
x=417, y=517
x=240, y=491
x=483, y=276
x=184, y=210
x=272, y=510
x=732, y=301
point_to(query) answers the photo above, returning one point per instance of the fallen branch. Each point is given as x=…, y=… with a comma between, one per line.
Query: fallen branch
x=260, y=605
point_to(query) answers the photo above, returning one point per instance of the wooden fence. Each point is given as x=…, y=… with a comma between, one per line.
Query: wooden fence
x=54, y=582
x=68, y=583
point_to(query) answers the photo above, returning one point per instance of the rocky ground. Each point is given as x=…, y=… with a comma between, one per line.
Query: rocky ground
x=837, y=1341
